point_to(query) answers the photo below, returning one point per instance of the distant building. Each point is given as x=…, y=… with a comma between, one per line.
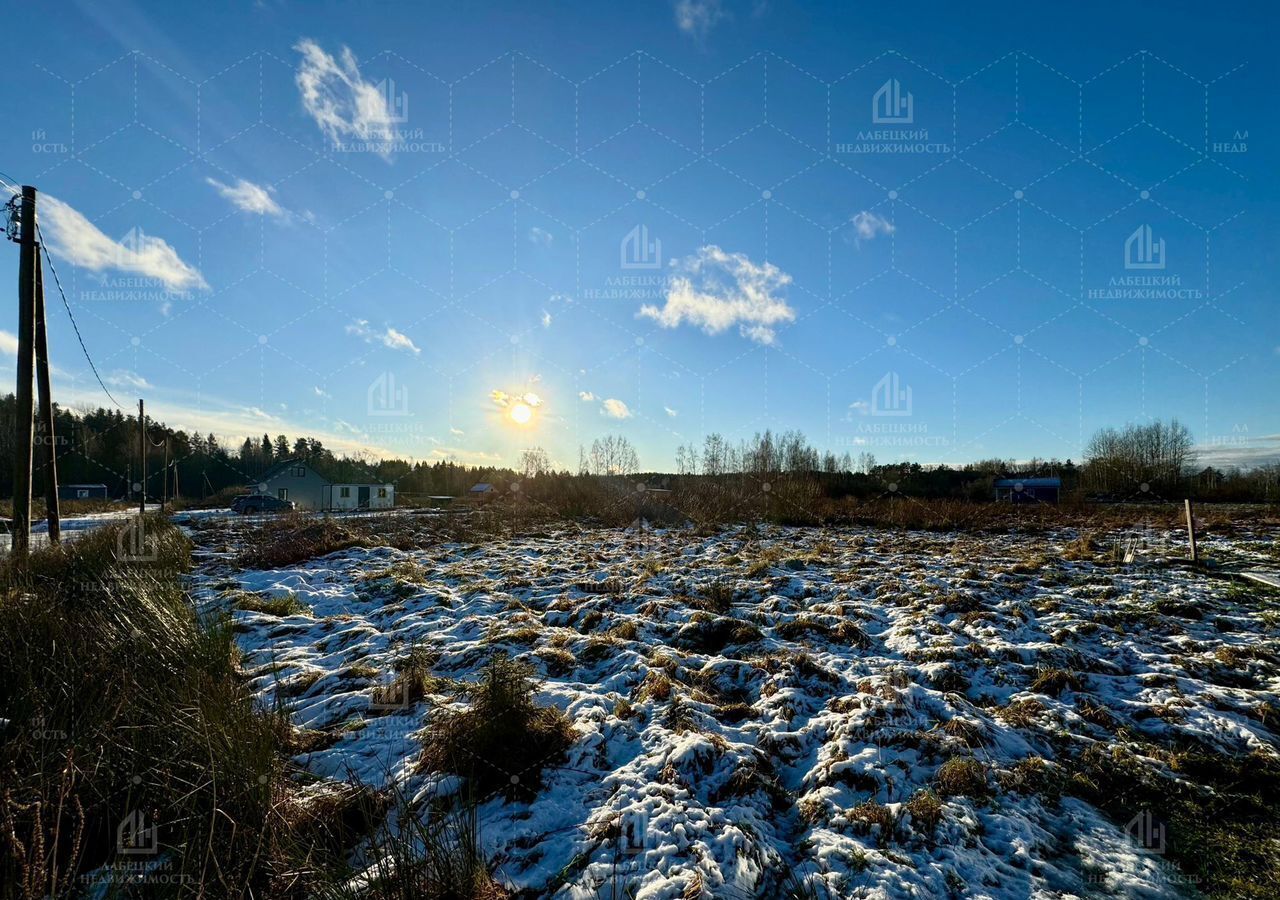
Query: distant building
x=82, y=492
x=294, y=479
x=1028, y=490
x=481, y=493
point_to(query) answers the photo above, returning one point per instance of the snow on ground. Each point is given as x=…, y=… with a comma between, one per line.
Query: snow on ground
x=765, y=700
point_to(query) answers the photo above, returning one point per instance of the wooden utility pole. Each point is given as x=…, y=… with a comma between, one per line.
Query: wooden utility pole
x=142, y=459
x=48, y=442
x=1191, y=532
x=164, y=490
x=24, y=414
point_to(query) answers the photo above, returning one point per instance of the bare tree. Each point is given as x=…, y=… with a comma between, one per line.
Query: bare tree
x=534, y=462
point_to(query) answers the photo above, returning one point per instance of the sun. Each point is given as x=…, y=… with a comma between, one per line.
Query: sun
x=521, y=413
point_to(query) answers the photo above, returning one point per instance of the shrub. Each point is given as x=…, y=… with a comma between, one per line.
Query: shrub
x=926, y=811
x=503, y=735
x=119, y=702
x=1054, y=681
x=279, y=606
x=440, y=858
x=291, y=539
x=962, y=776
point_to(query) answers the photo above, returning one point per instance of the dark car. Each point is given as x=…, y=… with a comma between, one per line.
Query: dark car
x=251, y=504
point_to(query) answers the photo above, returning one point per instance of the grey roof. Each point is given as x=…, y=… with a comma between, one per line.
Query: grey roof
x=481, y=488
x=281, y=466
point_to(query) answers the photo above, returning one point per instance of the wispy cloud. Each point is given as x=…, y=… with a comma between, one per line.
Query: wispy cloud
x=504, y=399
x=546, y=319
x=340, y=100
x=584, y=396
x=387, y=336
x=123, y=378
x=541, y=237
x=77, y=240
x=8, y=343
x=716, y=290
x=698, y=17
x=866, y=225
x=670, y=412
x=322, y=394
x=249, y=197
x=615, y=409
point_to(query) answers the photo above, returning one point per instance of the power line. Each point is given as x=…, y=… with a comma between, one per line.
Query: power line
x=58, y=281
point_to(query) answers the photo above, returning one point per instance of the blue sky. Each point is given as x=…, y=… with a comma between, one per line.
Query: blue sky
x=916, y=230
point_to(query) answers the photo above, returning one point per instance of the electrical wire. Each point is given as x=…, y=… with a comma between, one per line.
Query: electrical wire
x=58, y=281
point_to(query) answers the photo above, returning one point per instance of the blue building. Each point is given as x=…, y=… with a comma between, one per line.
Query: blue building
x=1028, y=490
x=82, y=492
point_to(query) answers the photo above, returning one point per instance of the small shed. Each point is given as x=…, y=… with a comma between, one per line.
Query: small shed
x=1028, y=490
x=82, y=492
x=481, y=493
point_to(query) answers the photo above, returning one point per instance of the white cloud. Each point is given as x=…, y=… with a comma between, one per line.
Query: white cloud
x=716, y=290
x=248, y=197
x=697, y=17
x=74, y=238
x=671, y=412
x=615, y=409
x=866, y=225
x=584, y=396
x=340, y=100
x=322, y=394
x=541, y=237
x=546, y=319
x=457, y=432
x=123, y=378
x=388, y=336
x=8, y=343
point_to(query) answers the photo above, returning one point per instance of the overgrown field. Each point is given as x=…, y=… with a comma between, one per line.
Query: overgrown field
x=757, y=712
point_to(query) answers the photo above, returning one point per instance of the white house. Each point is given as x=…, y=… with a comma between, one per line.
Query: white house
x=294, y=479
x=361, y=496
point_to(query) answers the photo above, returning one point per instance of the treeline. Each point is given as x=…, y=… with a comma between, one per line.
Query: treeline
x=1138, y=462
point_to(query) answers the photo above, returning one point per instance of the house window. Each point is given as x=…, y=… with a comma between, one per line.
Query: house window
x=382, y=493
x=282, y=493
x=344, y=493
x=299, y=472
x=82, y=494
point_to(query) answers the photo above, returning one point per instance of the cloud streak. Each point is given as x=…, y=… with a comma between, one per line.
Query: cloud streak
x=74, y=238
x=715, y=291
x=698, y=17
x=388, y=337
x=340, y=100
x=248, y=197
x=867, y=225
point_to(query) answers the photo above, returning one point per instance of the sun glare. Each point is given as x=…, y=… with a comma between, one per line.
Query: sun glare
x=521, y=413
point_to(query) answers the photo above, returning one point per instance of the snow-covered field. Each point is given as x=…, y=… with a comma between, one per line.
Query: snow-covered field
x=854, y=706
